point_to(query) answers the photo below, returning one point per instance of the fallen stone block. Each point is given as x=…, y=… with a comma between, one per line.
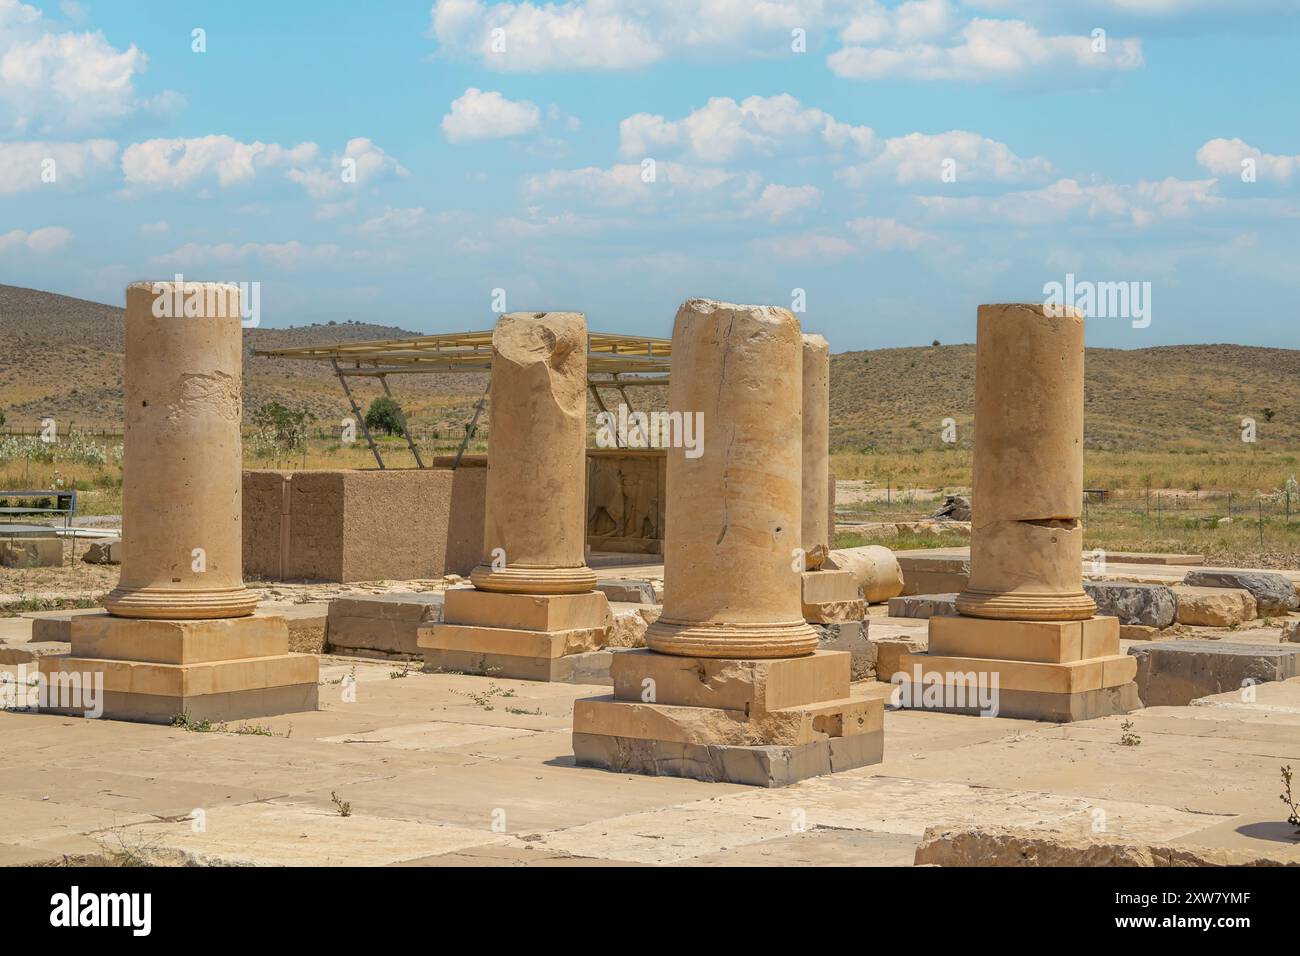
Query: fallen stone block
x=1274, y=593
x=104, y=551
x=31, y=651
x=999, y=846
x=1291, y=632
x=31, y=552
x=308, y=625
x=385, y=623
x=1174, y=673
x=628, y=592
x=56, y=625
x=1150, y=605
x=876, y=572
x=630, y=623
x=923, y=605
x=1213, y=607
x=890, y=652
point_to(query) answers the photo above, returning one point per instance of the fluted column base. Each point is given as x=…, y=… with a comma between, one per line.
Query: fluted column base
x=526, y=579
x=739, y=641
x=179, y=604
x=1021, y=606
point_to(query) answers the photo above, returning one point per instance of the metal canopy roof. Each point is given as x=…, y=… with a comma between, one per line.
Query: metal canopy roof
x=609, y=355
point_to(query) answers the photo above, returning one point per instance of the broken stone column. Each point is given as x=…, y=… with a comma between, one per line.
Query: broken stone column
x=829, y=596
x=1024, y=618
x=534, y=537
x=731, y=686
x=181, y=505
x=1027, y=537
x=816, y=450
x=180, y=635
x=533, y=612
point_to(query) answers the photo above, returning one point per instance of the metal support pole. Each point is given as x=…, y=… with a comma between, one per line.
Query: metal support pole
x=472, y=426
x=356, y=413
x=406, y=430
x=595, y=393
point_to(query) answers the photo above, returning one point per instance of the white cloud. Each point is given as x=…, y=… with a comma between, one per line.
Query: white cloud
x=177, y=163
x=56, y=80
x=23, y=165
x=361, y=163
x=477, y=116
x=982, y=50
x=1224, y=157
x=723, y=130
x=625, y=185
x=173, y=163
x=403, y=221
x=918, y=158
x=888, y=235
x=779, y=202
x=288, y=255
x=41, y=241
x=159, y=228
x=817, y=246
x=618, y=34
x=1141, y=203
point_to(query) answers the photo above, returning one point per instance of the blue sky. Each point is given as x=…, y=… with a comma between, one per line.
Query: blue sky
x=397, y=162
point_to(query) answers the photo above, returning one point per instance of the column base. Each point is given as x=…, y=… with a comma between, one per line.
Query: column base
x=522, y=579
x=1022, y=606
x=759, y=722
x=150, y=671
x=177, y=604
x=1057, y=671
x=731, y=641
x=555, y=637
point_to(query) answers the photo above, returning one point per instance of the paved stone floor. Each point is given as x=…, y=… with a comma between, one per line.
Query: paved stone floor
x=451, y=770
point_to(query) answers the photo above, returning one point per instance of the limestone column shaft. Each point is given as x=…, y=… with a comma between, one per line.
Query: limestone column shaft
x=534, y=539
x=182, y=476
x=731, y=580
x=815, y=525
x=1027, y=537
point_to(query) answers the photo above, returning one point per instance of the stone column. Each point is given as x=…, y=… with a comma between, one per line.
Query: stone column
x=1026, y=533
x=534, y=538
x=181, y=488
x=731, y=583
x=814, y=527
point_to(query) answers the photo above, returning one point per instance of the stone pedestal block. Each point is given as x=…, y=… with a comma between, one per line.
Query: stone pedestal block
x=152, y=670
x=760, y=722
x=549, y=637
x=1039, y=670
x=831, y=597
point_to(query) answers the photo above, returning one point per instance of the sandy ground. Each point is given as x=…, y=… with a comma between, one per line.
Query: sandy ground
x=450, y=770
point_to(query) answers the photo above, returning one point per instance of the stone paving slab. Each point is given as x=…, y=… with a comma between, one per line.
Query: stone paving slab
x=458, y=770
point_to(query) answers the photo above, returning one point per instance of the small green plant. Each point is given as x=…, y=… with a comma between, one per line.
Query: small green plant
x=402, y=671
x=535, y=712
x=1294, y=818
x=1126, y=737
x=186, y=721
x=484, y=699
x=343, y=807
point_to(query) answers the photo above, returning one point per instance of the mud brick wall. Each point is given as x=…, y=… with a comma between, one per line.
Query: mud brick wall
x=362, y=525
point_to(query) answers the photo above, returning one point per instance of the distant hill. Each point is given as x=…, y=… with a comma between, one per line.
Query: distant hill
x=62, y=357
x=1168, y=397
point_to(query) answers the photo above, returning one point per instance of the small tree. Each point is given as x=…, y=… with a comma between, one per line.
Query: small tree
x=386, y=416
x=280, y=431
